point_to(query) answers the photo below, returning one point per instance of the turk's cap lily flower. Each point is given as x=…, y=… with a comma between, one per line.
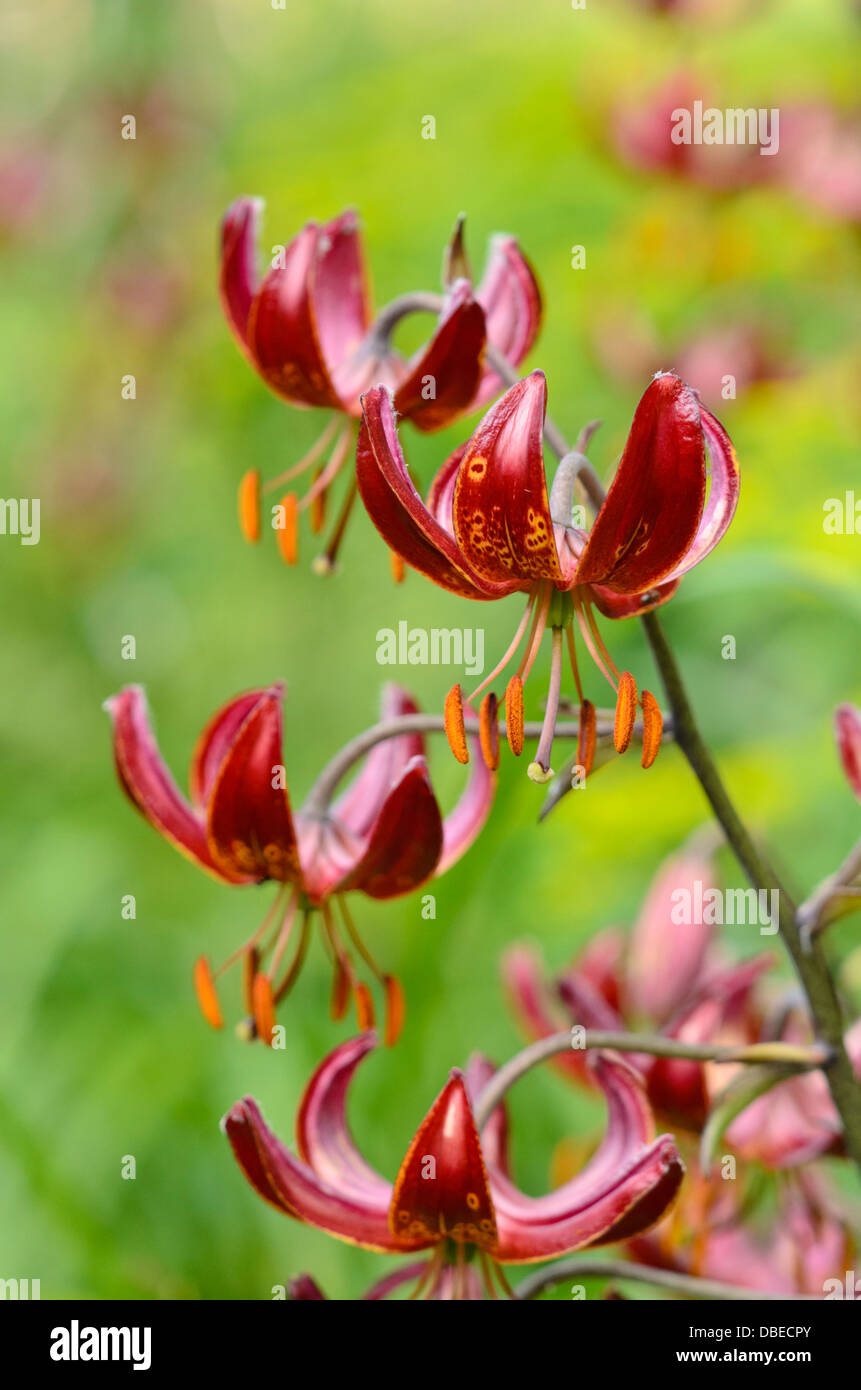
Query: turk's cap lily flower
x=306, y=326
x=491, y=528
x=618, y=984
x=847, y=730
x=383, y=836
x=453, y=1192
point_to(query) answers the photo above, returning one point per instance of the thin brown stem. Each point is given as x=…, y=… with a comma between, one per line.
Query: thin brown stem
x=578, y=1267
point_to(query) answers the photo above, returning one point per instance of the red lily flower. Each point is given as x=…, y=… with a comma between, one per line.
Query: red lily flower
x=384, y=836
x=307, y=328
x=490, y=529
x=618, y=985
x=453, y=1193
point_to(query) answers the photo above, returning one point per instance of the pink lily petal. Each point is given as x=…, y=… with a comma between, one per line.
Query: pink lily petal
x=586, y=1004
x=340, y=300
x=494, y=1136
x=511, y=300
x=150, y=787
x=298, y=1190
x=323, y=1135
x=524, y=977
x=722, y=499
x=463, y=824
x=359, y=806
x=238, y=281
x=625, y=1187
x=847, y=730
x=666, y=957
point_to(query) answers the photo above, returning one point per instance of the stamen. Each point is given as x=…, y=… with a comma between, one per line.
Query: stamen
x=317, y=510
x=626, y=711
x=397, y=567
x=319, y=447
x=325, y=563
x=488, y=730
x=514, y=715
x=540, y=770
x=340, y=991
x=589, y=640
x=572, y=656
x=586, y=737
x=328, y=474
x=292, y=974
x=653, y=727
x=599, y=640
x=283, y=934
x=518, y=636
x=430, y=1272
x=453, y=719
x=396, y=1009
x=487, y=1276
x=264, y=1008
x=250, y=963
x=207, y=997
x=249, y=505
x=365, y=1016
x=288, y=534
x=538, y=626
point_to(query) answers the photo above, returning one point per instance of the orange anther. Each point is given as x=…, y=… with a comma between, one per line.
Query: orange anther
x=653, y=727
x=250, y=963
x=288, y=530
x=317, y=509
x=207, y=996
x=488, y=730
x=264, y=1008
x=454, y=730
x=396, y=1008
x=249, y=505
x=586, y=737
x=397, y=566
x=626, y=711
x=364, y=1008
x=514, y=715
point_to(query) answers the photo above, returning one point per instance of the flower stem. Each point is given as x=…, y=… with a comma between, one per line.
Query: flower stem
x=787, y=1056
x=578, y=1267
x=810, y=964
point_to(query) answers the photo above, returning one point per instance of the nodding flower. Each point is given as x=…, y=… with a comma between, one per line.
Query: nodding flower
x=384, y=836
x=307, y=328
x=454, y=1194
x=490, y=528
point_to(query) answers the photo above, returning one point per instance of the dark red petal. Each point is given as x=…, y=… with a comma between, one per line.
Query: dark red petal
x=341, y=306
x=323, y=1135
x=441, y=1189
x=722, y=499
x=399, y=513
x=215, y=742
x=150, y=787
x=237, y=1125
x=451, y=362
x=238, y=279
x=511, y=300
x=501, y=510
x=631, y=605
x=405, y=841
x=650, y=516
x=250, y=826
x=282, y=330
x=359, y=806
x=303, y=1288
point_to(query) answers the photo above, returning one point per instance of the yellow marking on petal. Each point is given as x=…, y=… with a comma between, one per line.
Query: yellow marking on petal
x=488, y=730
x=476, y=468
x=288, y=534
x=626, y=711
x=653, y=727
x=454, y=729
x=207, y=995
x=514, y=715
x=249, y=505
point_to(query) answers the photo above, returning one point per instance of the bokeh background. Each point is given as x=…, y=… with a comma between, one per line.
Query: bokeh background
x=109, y=267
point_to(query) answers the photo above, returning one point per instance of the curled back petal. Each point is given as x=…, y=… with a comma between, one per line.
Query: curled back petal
x=238, y=278
x=466, y=820
x=450, y=364
x=150, y=787
x=323, y=1135
x=511, y=300
x=404, y=844
x=398, y=512
x=652, y=990
x=359, y=806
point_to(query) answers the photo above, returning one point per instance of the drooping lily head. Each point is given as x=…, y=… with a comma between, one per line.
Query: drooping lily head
x=667, y=976
x=453, y=1193
x=491, y=527
x=384, y=836
x=307, y=327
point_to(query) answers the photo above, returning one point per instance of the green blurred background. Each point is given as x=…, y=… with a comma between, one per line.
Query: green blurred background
x=109, y=267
